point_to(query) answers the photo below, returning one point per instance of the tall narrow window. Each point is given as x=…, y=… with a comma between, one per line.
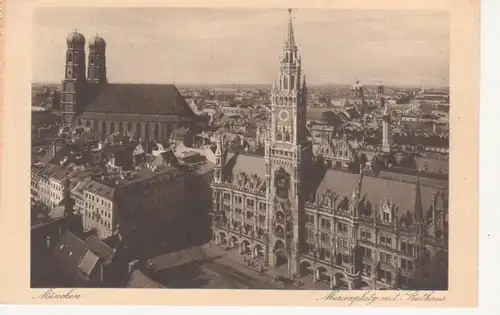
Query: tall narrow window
x=285, y=82
x=292, y=82
x=146, y=136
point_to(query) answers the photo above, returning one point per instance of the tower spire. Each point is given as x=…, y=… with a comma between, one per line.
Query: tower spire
x=290, y=39
x=418, y=199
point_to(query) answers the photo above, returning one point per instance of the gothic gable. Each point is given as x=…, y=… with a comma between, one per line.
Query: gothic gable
x=335, y=149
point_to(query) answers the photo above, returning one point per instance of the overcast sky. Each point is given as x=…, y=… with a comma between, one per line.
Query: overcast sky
x=210, y=46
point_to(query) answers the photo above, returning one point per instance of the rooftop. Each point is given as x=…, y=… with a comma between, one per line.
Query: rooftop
x=146, y=99
x=106, y=186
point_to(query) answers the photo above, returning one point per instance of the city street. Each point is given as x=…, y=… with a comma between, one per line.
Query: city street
x=204, y=267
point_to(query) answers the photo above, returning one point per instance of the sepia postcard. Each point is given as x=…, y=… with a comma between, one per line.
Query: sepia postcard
x=286, y=153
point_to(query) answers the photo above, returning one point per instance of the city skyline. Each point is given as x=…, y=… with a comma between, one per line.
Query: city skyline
x=194, y=46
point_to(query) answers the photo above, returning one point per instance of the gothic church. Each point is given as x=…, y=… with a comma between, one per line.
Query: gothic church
x=149, y=111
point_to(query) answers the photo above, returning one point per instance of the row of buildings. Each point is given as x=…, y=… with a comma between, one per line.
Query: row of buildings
x=109, y=190
x=116, y=182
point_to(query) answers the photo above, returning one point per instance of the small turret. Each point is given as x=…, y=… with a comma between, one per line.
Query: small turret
x=220, y=159
x=386, y=117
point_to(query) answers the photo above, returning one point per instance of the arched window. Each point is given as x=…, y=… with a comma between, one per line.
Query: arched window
x=285, y=82
x=292, y=82
x=70, y=57
x=278, y=135
x=92, y=60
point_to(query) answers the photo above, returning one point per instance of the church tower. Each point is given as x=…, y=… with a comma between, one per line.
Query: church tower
x=287, y=150
x=97, y=60
x=74, y=83
x=386, y=120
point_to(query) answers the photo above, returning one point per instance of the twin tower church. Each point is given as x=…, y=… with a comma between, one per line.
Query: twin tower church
x=150, y=111
x=351, y=230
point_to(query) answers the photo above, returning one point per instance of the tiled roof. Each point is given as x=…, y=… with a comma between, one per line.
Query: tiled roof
x=78, y=187
x=100, y=248
x=54, y=171
x=101, y=189
x=249, y=164
x=49, y=154
x=139, y=280
x=376, y=189
x=145, y=99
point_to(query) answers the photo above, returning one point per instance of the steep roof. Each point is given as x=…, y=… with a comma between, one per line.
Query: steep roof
x=249, y=164
x=74, y=255
x=403, y=194
x=145, y=99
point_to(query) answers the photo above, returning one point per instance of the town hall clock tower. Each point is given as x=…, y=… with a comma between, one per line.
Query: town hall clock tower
x=287, y=151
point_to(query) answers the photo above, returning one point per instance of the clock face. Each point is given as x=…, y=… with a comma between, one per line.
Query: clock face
x=283, y=115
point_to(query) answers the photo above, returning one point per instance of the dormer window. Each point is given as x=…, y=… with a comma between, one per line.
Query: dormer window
x=386, y=211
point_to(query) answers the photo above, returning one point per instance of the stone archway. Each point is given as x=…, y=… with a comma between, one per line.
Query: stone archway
x=245, y=247
x=338, y=259
x=340, y=282
x=233, y=241
x=322, y=275
x=280, y=217
x=281, y=258
x=258, y=251
x=306, y=269
x=279, y=231
x=221, y=238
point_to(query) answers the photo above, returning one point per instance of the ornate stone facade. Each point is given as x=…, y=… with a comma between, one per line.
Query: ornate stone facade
x=350, y=229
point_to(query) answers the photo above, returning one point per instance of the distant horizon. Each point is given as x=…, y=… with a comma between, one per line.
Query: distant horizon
x=202, y=45
x=179, y=84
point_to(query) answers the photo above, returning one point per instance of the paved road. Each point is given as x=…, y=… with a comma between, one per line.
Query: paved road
x=199, y=267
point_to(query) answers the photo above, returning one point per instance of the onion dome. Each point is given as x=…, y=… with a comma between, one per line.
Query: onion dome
x=75, y=39
x=97, y=42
